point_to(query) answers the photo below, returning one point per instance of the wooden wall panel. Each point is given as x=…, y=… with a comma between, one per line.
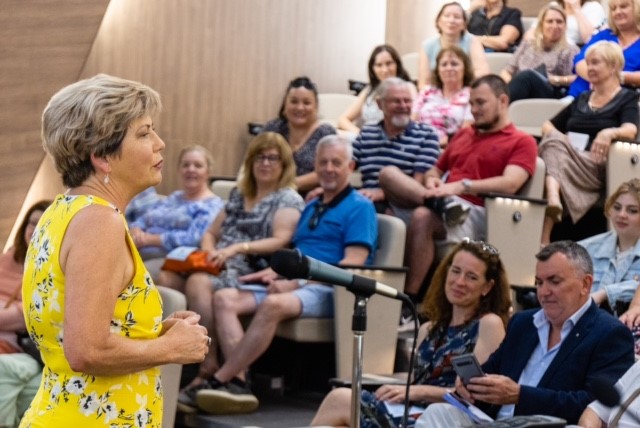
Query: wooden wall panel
x=220, y=64
x=44, y=45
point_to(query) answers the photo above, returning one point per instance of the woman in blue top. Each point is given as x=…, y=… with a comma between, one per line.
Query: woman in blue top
x=624, y=29
x=467, y=305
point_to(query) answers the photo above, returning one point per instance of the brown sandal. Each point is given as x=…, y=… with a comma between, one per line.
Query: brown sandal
x=554, y=212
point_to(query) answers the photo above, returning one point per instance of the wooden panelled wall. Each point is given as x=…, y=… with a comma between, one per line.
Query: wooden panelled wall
x=218, y=64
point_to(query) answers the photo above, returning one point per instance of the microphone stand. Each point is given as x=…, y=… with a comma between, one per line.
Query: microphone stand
x=362, y=288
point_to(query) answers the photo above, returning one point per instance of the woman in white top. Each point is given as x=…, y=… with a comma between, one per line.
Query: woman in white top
x=451, y=22
x=384, y=62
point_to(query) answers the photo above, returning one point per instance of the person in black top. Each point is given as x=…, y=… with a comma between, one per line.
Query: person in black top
x=498, y=26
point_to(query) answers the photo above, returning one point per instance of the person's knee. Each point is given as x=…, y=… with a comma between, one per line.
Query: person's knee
x=388, y=175
x=198, y=287
x=225, y=300
x=274, y=307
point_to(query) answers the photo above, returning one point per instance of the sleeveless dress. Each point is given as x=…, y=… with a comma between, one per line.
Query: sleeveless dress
x=71, y=399
x=432, y=367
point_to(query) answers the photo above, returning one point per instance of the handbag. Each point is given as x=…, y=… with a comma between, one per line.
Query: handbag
x=188, y=260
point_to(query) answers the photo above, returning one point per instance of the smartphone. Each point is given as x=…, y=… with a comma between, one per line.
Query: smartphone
x=467, y=367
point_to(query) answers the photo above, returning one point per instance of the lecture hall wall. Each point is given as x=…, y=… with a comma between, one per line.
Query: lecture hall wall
x=218, y=64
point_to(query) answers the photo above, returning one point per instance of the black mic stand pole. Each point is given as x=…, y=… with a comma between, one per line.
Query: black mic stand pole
x=362, y=288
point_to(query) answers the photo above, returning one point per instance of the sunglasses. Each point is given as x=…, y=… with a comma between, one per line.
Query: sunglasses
x=318, y=212
x=487, y=248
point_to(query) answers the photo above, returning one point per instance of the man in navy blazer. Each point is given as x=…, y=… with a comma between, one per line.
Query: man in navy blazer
x=549, y=358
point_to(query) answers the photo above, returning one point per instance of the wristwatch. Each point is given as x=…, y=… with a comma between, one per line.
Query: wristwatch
x=466, y=183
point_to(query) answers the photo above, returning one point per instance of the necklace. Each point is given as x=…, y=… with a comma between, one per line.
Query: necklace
x=594, y=108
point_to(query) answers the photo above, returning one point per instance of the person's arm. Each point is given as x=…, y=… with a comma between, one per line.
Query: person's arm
x=506, y=76
x=631, y=317
x=355, y=255
x=97, y=266
x=12, y=318
x=424, y=69
x=353, y=112
x=590, y=419
x=588, y=16
x=510, y=182
x=307, y=181
x=478, y=58
x=501, y=42
x=213, y=232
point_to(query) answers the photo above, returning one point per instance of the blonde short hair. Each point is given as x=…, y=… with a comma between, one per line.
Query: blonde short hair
x=610, y=52
x=91, y=117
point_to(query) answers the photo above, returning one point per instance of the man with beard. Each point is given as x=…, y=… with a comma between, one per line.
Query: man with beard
x=489, y=156
x=411, y=147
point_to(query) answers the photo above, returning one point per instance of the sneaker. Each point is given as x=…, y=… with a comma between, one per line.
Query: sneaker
x=407, y=321
x=456, y=213
x=226, y=398
x=187, y=396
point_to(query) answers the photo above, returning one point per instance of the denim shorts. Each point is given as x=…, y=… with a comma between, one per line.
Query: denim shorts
x=316, y=299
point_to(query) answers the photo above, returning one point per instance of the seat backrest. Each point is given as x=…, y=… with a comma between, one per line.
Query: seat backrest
x=623, y=164
x=172, y=301
x=498, y=60
x=534, y=187
x=529, y=115
x=331, y=106
x=391, y=237
x=527, y=22
x=410, y=64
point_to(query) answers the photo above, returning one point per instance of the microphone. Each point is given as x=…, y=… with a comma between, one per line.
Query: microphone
x=293, y=264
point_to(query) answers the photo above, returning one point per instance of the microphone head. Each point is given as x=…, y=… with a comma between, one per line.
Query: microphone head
x=605, y=392
x=290, y=263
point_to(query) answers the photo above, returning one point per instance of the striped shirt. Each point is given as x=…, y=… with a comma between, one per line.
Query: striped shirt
x=413, y=151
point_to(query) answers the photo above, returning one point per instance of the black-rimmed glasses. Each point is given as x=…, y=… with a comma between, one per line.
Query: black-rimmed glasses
x=271, y=159
x=487, y=248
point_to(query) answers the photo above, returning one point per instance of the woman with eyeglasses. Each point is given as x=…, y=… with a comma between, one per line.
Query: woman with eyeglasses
x=467, y=306
x=259, y=218
x=298, y=123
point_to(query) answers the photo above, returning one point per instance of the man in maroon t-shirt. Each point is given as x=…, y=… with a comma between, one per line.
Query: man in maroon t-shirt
x=489, y=156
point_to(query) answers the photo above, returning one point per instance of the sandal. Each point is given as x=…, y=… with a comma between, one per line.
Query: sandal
x=554, y=212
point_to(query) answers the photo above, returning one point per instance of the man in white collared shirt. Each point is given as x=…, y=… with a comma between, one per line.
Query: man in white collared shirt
x=549, y=357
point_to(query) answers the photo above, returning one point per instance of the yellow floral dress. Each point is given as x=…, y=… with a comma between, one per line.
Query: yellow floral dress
x=71, y=399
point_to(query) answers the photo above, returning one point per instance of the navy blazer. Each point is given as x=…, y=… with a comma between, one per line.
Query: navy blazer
x=598, y=346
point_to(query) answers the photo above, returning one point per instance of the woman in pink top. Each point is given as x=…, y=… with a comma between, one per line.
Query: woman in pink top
x=445, y=103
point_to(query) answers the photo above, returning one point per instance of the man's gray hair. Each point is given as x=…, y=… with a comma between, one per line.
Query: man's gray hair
x=391, y=82
x=574, y=252
x=332, y=140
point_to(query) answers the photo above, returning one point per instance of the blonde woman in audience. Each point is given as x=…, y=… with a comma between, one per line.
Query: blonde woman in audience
x=259, y=218
x=616, y=254
x=576, y=141
x=384, y=62
x=584, y=18
x=624, y=29
x=542, y=67
x=298, y=123
x=445, y=103
x=468, y=306
x=451, y=23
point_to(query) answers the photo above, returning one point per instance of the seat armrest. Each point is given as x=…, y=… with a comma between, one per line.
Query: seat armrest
x=510, y=196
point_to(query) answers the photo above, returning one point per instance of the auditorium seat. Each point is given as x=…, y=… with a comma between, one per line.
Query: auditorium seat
x=410, y=64
x=331, y=106
x=623, y=164
x=498, y=60
x=529, y=115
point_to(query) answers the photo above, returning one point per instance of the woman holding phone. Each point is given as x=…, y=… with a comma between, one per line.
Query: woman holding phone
x=467, y=306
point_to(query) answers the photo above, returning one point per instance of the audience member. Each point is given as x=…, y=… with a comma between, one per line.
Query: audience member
x=445, y=103
x=89, y=303
x=467, y=306
x=576, y=141
x=489, y=156
x=550, y=357
x=298, y=123
x=181, y=218
x=395, y=140
x=384, y=62
x=339, y=228
x=498, y=26
x=19, y=372
x=542, y=67
x=141, y=203
x=259, y=218
x=451, y=23
x=625, y=415
x=624, y=29
x=584, y=18
x=616, y=254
